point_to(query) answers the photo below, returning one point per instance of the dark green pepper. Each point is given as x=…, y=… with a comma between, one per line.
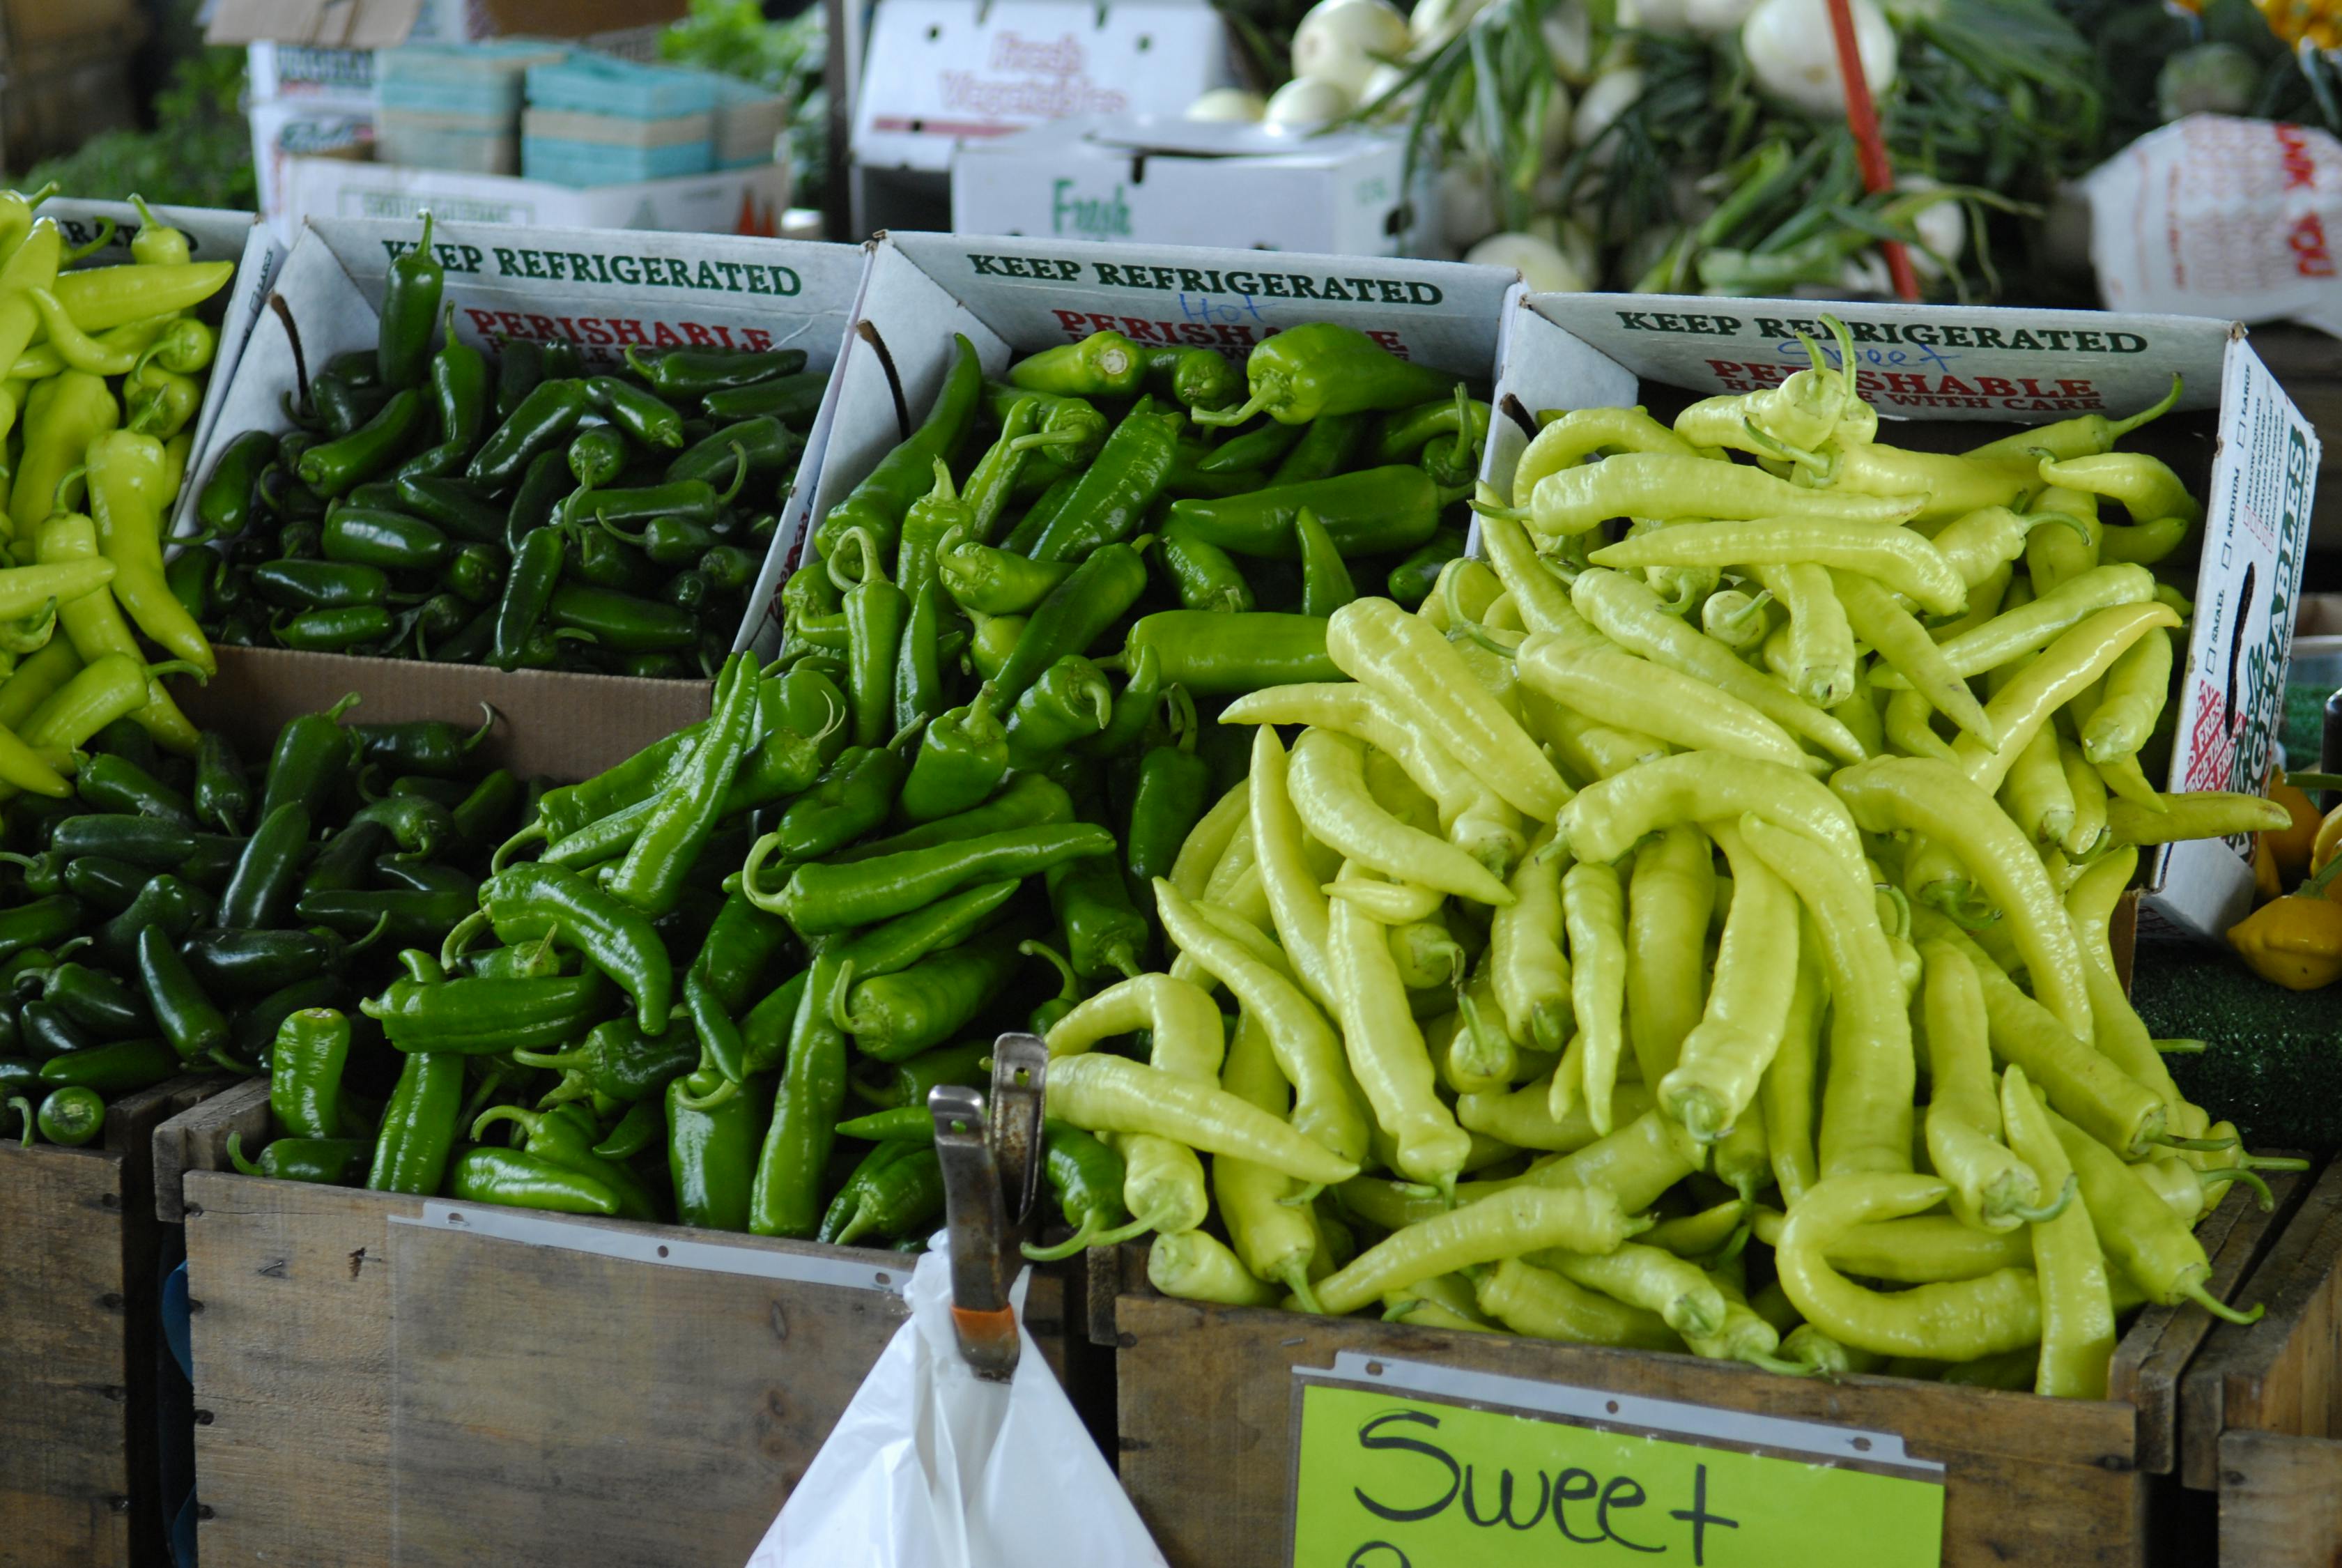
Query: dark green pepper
x=392, y=541
x=878, y=504
x=410, y=308
x=962, y=757
x=541, y=421
x=189, y=1019
x=622, y=622
x=114, y=783
x=267, y=879
x=617, y=1060
x=528, y=591
x=646, y=416
x=306, y=1063
x=597, y=454
x=1094, y=596
x=370, y=450
x=689, y=373
x=788, y=397
x=1070, y=701
x=455, y=506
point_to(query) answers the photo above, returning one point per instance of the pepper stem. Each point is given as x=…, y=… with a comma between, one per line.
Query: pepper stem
x=2195, y=1292
x=2081, y=528
x=236, y=1155
x=2270, y=1161
x=2043, y=1215
x=551, y=1061
x=451, y=950
x=2201, y=1145
x=1773, y=1363
x=107, y=229
x=487, y=722
x=24, y=1108
x=1080, y=1240
x=525, y=1120
x=2316, y=885
x=536, y=833
x=1294, y=1277
x=725, y=1090
x=1236, y=415
x=739, y=474
x=1117, y=1237
x=841, y=1011
x=380, y=924
x=2225, y=1175
x=1520, y=515
x=2117, y=429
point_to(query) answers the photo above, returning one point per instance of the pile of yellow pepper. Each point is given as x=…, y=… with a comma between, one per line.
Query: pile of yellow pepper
x=2295, y=936
x=1605, y=919
x=103, y=379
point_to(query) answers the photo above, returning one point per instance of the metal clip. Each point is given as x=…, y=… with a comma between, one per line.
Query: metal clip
x=1020, y=1066
x=975, y=1217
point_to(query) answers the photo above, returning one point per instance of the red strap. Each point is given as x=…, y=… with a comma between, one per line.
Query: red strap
x=1870, y=148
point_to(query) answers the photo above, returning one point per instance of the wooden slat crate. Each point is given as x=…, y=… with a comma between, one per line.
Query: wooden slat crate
x=79, y=1326
x=1206, y=1417
x=2261, y=1406
x=392, y=1380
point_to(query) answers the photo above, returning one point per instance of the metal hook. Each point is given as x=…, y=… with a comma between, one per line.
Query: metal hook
x=975, y=1216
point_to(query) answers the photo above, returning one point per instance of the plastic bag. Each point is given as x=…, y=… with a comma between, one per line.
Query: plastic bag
x=932, y=1467
x=2221, y=216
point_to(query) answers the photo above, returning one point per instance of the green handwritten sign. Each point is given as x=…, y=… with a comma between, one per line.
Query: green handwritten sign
x=1388, y=1480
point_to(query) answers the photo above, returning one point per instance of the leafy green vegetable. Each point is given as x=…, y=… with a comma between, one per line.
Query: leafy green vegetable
x=733, y=37
x=199, y=152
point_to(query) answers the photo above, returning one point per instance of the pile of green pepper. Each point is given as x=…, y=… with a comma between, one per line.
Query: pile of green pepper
x=528, y=514
x=173, y=913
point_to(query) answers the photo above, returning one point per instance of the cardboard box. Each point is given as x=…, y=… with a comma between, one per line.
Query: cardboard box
x=747, y=201
x=341, y=77
x=1012, y=297
x=211, y=235
x=604, y=290
x=381, y=23
x=300, y=128
x=1157, y=179
x=549, y=723
x=2237, y=439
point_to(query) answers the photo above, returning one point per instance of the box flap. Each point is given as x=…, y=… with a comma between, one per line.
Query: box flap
x=1165, y=136
x=328, y=23
x=1916, y=361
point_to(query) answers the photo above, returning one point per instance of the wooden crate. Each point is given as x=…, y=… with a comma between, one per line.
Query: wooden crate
x=1206, y=1417
x=80, y=1248
x=2261, y=1406
x=391, y=1380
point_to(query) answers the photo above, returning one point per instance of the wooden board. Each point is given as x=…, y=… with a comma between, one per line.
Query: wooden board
x=2280, y=1500
x=2283, y=1373
x=375, y=1390
x=79, y=1254
x=1207, y=1450
x=2163, y=1341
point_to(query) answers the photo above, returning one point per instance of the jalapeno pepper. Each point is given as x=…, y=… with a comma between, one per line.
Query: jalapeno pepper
x=544, y=484
x=646, y=416
x=189, y=1019
x=797, y=396
x=621, y=621
x=72, y=1116
x=400, y=914
x=372, y=448
x=225, y=504
x=563, y=1143
x=597, y=454
x=454, y=506
x=94, y=999
x=328, y=1161
x=223, y=794
x=692, y=373
x=120, y=1067
x=260, y=893
x=1412, y=580
x=520, y=366
x=168, y=905
x=392, y=541
x=754, y=448
x=334, y=630
x=475, y=574
x=878, y=503
x=44, y=1029
x=1115, y=492
x=112, y=783
x=410, y=308
x=539, y=422
x=257, y=963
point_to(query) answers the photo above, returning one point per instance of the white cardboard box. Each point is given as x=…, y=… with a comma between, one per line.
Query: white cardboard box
x=1016, y=297
x=747, y=201
x=2024, y=367
x=1155, y=179
x=940, y=71
x=604, y=290
x=213, y=234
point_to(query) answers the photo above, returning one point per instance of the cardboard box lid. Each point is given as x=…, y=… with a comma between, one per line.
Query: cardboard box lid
x=383, y=24
x=1161, y=136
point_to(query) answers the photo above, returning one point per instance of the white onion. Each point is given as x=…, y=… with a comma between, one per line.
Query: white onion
x=1569, y=39
x=1435, y=21
x=1542, y=267
x=1227, y=104
x=1793, y=54
x=1612, y=94
x=1306, y=102
x=1468, y=206
x=1714, y=18
x=1386, y=77
x=1942, y=227
x=1342, y=41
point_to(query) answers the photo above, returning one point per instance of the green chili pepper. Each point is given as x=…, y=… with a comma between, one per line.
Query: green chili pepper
x=853, y=795
x=120, y=1067
x=597, y=454
x=1134, y=708
x=1070, y=701
x=318, y=585
x=419, y=826
x=668, y=540
x=1330, y=447
x=401, y=914
x=693, y=373
x=257, y=1025
x=651, y=877
x=894, y=1017
x=455, y=506
x=1206, y=576
x=521, y=1180
x=410, y=308
x=642, y=1122
x=528, y=591
x=918, y=672
x=224, y=506
x=168, y=905
x=333, y=630
x=1325, y=580
x=752, y=448
x=1368, y=512
x=687, y=590
x=529, y=902
x=539, y=422
x=646, y=416
x=313, y=753
x=389, y=540
x=963, y=756
x=373, y=446
x=908, y=1082
x=784, y=1198
x=195, y=576
x=189, y=1019
x=304, y=1074
x=904, y=1124
x=877, y=504
x=255, y=963
x=44, y=1029
x=1215, y=655
x=996, y=581
x=1412, y=580
x=1174, y=788
x=876, y=612
x=1086, y=1175
x=261, y=891
x=1103, y=930
x=906, y=1194
x=1115, y=492
x=1093, y=598
x=112, y=783
x=566, y=1141
x=712, y=1152
x=72, y=1116
x=429, y=745
x=520, y=366
x=1256, y=448
x=822, y=897
x=1027, y=801
x=97, y=1000
x=1322, y=367
x=622, y=622
x=475, y=574
x=728, y=568
x=546, y=484
x=328, y=1161
x=1102, y=365
x=459, y=388
x=420, y=1125
x=797, y=396
x=1198, y=377
x=475, y=1017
